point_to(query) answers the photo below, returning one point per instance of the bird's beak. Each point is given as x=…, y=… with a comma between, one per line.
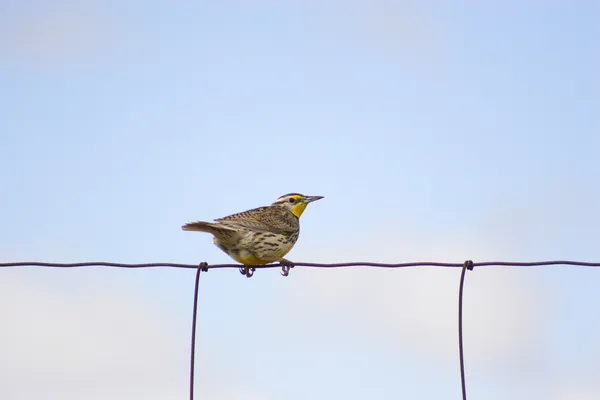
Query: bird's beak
x=310, y=199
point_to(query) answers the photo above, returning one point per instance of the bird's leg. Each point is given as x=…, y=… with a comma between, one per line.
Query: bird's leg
x=247, y=270
x=286, y=265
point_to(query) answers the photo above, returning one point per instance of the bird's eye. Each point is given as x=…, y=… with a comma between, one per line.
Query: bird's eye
x=292, y=200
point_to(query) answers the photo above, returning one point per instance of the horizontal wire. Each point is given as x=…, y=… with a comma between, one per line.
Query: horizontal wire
x=303, y=264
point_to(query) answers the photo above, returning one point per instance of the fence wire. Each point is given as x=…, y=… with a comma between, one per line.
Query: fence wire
x=301, y=264
x=204, y=267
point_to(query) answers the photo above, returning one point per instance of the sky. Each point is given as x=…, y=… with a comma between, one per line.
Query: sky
x=437, y=131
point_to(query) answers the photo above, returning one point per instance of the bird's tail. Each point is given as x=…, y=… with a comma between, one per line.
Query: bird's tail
x=199, y=226
x=204, y=227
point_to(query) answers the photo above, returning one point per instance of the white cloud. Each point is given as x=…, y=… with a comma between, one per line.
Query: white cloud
x=415, y=309
x=83, y=342
x=61, y=33
x=573, y=388
x=75, y=334
x=394, y=28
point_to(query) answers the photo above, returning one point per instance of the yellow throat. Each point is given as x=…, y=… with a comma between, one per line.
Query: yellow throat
x=298, y=209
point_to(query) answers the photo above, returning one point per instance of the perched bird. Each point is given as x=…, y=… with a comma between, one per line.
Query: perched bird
x=261, y=235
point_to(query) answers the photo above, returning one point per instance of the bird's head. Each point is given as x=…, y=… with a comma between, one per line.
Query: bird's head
x=295, y=202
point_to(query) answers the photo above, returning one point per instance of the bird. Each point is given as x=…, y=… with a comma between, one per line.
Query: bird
x=261, y=235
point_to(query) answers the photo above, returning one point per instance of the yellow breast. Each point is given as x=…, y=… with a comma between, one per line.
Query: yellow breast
x=248, y=258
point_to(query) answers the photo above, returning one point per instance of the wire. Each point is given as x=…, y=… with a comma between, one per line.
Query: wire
x=468, y=265
x=200, y=268
x=302, y=264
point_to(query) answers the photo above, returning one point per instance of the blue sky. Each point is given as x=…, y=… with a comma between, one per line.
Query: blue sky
x=436, y=131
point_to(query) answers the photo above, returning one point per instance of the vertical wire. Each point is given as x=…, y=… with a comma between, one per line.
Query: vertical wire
x=193, y=346
x=467, y=265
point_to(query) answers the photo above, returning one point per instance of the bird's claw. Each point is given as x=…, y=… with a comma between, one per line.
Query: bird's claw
x=286, y=265
x=248, y=271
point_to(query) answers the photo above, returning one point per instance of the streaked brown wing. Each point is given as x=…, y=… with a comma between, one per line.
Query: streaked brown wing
x=268, y=219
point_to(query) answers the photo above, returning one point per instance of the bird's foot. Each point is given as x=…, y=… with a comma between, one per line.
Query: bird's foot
x=286, y=265
x=247, y=270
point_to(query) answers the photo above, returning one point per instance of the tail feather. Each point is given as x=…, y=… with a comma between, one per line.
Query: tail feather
x=198, y=226
x=209, y=227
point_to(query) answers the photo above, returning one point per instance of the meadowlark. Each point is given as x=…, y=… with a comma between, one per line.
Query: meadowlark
x=261, y=235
